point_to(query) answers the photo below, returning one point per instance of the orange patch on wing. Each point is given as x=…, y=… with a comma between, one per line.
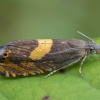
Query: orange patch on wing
x=44, y=47
x=15, y=67
x=32, y=65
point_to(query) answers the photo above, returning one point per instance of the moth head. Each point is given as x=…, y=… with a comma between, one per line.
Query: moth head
x=94, y=48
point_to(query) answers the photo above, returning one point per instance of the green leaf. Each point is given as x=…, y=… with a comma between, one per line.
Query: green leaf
x=60, y=86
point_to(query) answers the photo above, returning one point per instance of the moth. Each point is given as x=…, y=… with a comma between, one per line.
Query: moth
x=31, y=57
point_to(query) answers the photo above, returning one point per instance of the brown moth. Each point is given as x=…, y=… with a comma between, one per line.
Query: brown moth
x=31, y=57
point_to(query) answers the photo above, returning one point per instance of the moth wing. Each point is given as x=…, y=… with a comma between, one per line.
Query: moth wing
x=29, y=50
x=65, y=65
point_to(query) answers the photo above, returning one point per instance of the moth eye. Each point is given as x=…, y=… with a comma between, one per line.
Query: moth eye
x=93, y=51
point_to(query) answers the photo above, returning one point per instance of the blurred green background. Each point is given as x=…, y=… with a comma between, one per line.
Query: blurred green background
x=31, y=19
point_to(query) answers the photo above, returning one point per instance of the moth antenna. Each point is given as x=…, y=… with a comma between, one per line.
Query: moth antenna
x=85, y=36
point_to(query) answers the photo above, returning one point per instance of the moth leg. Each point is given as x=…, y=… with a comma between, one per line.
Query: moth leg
x=80, y=69
x=51, y=73
x=62, y=67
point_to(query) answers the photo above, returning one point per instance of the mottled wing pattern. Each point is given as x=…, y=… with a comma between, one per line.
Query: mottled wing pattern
x=30, y=57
